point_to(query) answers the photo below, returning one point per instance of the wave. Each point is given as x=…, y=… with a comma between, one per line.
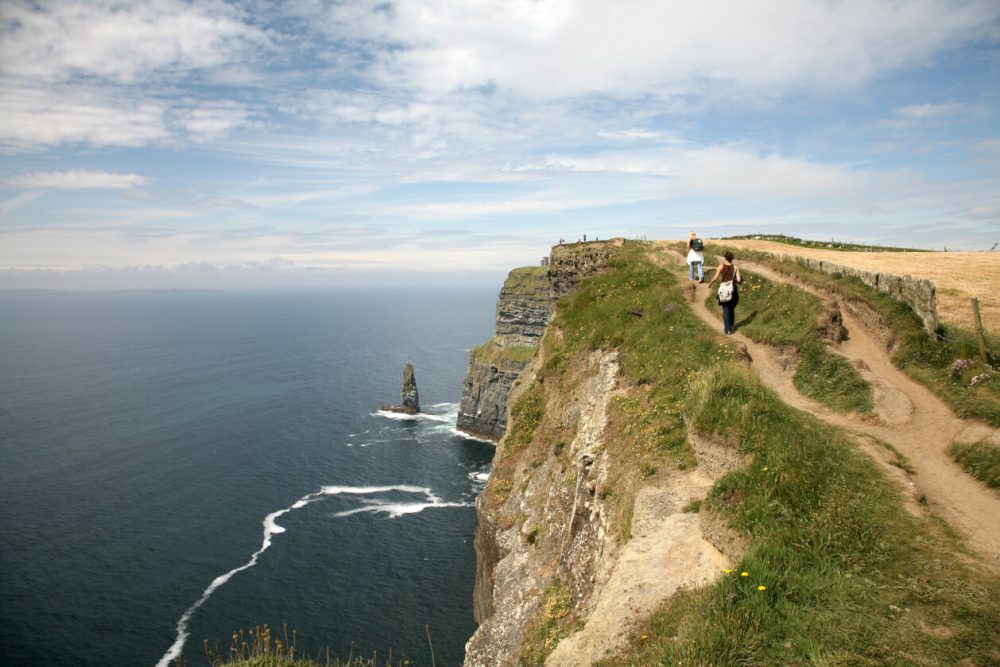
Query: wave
x=438, y=412
x=480, y=476
x=272, y=528
x=396, y=510
x=469, y=436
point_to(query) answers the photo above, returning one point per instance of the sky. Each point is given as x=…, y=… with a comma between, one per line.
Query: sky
x=308, y=143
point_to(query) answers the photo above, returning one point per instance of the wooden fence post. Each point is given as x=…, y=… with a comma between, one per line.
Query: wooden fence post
x=978, y=322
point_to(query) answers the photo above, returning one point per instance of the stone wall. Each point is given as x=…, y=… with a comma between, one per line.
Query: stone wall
x=918, y=293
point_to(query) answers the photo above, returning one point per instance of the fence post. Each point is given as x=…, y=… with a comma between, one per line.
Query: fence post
x=978, y=322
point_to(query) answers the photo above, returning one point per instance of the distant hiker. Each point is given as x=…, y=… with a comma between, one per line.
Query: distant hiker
x=729, y=276
x=584, y=238
x=696, y=257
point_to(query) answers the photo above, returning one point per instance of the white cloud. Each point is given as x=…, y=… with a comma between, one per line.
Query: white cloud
x=211, y=121
x=921, y=111
x=466, y=210
x=575, y=47
x=76, y=180
x=18, y=201
x=119, y=41
x=631, y=135
x=34, y=116
x=733, y=172
x=927, y=113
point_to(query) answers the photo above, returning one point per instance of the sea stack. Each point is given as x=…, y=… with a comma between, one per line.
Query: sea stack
x=411, y=399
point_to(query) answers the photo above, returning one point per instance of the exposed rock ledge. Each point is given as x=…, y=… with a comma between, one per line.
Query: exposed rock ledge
x=524, y=307
x=558, y=526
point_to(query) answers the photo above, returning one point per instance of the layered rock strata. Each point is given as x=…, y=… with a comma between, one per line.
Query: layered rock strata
x=523, y=309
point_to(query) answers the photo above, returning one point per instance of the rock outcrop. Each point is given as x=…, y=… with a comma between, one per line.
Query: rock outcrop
x=408, y=394
x=523, y=310
x=524, y=307
x=569, y=264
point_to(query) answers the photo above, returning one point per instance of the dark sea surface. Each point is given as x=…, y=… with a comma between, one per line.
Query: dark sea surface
x=149, y=441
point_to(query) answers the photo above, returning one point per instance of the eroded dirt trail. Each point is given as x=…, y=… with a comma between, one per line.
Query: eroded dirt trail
x=908, y=416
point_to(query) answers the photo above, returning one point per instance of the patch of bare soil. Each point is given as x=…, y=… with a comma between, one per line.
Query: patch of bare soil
x=908, y=417
x=670, y=549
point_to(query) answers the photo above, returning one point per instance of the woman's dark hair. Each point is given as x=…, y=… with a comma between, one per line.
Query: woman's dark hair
x=728, y=256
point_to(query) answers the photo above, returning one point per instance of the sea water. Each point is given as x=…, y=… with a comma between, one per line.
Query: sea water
x=177, y=466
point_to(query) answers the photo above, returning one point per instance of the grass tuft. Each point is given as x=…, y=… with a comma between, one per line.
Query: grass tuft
x=260, y=647
x=979, y=459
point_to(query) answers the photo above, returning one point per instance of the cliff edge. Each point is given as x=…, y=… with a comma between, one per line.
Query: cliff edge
x=654, y=501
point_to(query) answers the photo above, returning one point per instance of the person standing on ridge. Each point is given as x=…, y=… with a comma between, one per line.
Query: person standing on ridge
x=696, y=257
x=729, y=276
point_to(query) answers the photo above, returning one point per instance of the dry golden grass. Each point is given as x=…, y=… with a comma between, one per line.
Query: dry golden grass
x=959, y=276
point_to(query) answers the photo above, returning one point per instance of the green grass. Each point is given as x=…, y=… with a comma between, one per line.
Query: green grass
x=639, y=310
x=527, y=278
x=836, y=574
x=525, y=416
x=979, y=459
x=929, y=359
x=849, y=577
x=781, y=314
x=547, y=627
x=260, y=647
x=490, y=352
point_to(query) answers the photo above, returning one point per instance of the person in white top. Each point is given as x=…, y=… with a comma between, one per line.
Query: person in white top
x=696, y=257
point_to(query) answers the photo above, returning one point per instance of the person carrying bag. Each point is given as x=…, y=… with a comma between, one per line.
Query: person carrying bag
x=729, y=277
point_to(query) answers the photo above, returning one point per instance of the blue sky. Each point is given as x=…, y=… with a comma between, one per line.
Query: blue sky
x=311, y=143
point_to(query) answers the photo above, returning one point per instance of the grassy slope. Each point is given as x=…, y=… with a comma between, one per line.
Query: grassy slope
x=849, y=577
x=926, y=359
x=780, y=314
x=639, y=311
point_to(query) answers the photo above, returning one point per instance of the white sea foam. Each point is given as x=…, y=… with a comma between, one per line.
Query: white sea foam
x=479, y=476
x=469, y=436
x=446, y=413
x=271, y=528
x=396, y=510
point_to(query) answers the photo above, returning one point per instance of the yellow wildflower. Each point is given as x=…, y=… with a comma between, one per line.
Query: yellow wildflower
x=762, y=588
x=744, y=574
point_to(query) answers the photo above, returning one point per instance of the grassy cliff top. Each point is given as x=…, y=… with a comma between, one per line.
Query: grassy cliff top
x=527, y=279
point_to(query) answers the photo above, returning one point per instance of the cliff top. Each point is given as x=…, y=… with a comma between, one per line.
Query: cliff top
x=640, y=421
x=959, y=276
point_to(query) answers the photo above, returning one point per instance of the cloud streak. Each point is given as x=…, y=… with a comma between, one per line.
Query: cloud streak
x=77, y=179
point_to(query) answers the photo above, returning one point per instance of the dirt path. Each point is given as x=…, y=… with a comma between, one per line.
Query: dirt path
x=909, y=417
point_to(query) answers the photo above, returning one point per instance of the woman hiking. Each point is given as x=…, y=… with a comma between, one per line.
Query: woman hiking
x=729, y=276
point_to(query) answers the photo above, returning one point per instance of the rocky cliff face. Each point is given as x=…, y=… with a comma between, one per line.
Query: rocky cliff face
x=569, y=264
x=524, y=307
x=523, y=310
x=571, y=541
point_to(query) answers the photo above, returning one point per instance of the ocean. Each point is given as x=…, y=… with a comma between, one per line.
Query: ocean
x=177, y=466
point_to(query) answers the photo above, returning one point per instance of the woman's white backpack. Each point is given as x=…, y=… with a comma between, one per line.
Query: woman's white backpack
x=726, y=291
